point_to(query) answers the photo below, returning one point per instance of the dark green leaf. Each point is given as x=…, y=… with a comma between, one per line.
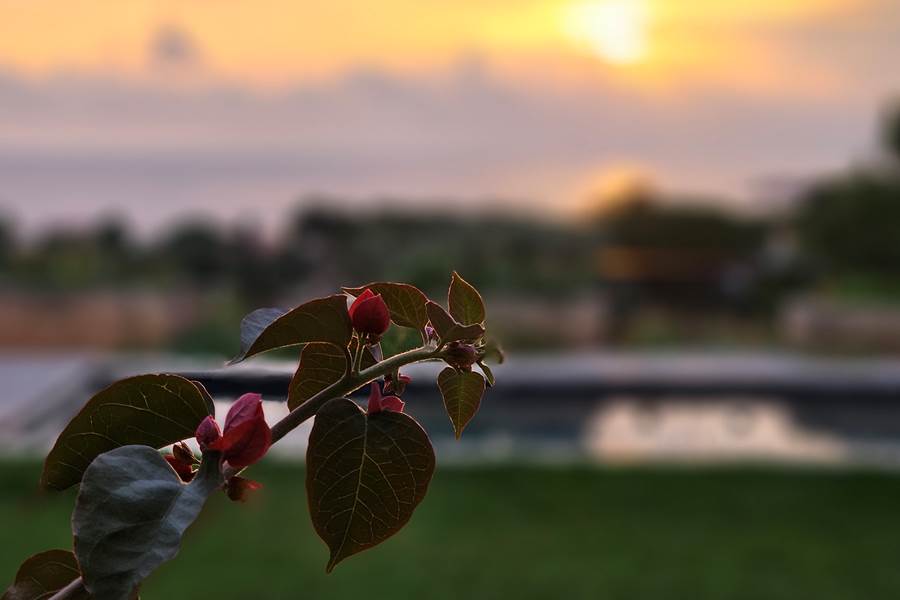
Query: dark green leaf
x=465, y=302
x=44, y=574
x=130, y=515
x=321, y=365
x=321, y=320
x=488, y=374
x=153, y=410
x=448, y=329
x=365, y=475
x=254, y=324
x=462, y=392
x=405, y=302
x=440, y=319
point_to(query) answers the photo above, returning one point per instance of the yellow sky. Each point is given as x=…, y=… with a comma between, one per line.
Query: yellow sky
x=550, y=101
x=272, y=41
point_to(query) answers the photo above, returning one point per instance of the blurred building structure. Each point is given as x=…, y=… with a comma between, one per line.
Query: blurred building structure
x=682, y=407
x=94, y=320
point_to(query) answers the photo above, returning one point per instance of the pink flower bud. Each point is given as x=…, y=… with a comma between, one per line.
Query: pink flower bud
x=392, y=403
x=239, y=489
x=247, y=436
x=378, y=403
x=369, y=314
x=207, y=433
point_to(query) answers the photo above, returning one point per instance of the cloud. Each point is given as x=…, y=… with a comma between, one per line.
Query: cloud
x=76, y=145
x=172, y=46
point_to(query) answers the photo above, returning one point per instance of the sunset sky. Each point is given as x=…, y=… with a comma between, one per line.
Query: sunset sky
x=154, y=109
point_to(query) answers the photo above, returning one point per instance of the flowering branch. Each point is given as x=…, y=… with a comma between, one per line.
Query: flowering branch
x=379, y=459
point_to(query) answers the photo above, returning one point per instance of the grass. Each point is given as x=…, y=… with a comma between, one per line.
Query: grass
x=520, y=532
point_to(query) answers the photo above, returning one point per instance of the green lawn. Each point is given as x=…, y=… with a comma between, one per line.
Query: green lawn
x=508, y=532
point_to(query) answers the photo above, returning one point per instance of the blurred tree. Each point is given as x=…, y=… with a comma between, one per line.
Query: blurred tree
x=255, y=272
x=197, y=253
x=678, y=259
x=7, y=246
x=678, y=224
x=891, y=131
x=116, y=253
x=494, y=252
x=851, y=224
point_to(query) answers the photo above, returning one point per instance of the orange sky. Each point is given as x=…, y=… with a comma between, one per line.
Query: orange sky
x=275, y=42
x=157, y=107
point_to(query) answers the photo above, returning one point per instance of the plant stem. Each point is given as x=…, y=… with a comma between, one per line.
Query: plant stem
x=339, y=389
x=353, y=365
x=346, y=385
x=73, y=590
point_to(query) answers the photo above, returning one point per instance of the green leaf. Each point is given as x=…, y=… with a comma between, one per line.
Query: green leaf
x=462, y=392
x=365, y=475
x=488, y=374
x=130, y=515
x=153, y=410
x=405, y=302
x=465, y=302
x=321, y=365
x=399, y=339
x=321, y=320
x=44, y=574
x=448, y=329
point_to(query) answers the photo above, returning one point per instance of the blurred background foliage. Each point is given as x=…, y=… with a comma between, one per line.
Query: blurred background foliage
x=658, y=268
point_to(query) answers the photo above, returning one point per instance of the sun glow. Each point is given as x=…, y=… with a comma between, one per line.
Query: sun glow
x=615, y=30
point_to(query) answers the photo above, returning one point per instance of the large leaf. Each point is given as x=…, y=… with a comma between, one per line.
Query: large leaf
x=466, y=305
x=321, y=320
x=462, y=392
x=321, y=365
x=448, y=329
x=405, y=302
x=130, y=515
x=365, y=474
x=43, y=575
x=153, y=410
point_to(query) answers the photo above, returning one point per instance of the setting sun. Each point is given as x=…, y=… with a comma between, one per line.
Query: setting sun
x=615, y=30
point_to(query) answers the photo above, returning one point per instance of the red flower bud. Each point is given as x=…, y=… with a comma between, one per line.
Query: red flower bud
x=239, y=489
x=460, y=356
x=378, y=403
x=369, y=314
x=207, y=433
x=184, y=470
x=247, y=436
x=392, y=403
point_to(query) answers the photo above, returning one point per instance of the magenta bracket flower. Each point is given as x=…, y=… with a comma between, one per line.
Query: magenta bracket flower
x=246, y=436
x=378, y=403
x=115, y=546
